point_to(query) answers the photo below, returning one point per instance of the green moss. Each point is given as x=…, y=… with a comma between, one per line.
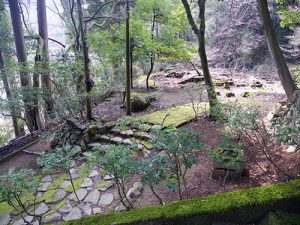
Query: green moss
x=48, y=196
x=140, y=82
x=60, y=205
x=214, y=204
x=4, y=209
x=83, y=173
x=58, y=182
x=176, y=115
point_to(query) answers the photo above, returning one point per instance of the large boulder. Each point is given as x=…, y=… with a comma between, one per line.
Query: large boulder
x=139, y=102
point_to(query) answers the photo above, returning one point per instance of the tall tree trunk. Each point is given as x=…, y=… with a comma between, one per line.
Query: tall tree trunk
x=88, y=81
x=131, y=67
x=18, y=130
x=200, y=32
x=22, y=59
x=152, y=54
x=282, y=69
x=128, y=82
x=45, y=78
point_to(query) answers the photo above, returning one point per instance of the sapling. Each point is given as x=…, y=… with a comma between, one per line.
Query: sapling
x=17, y=185
x=116, y=161
x=61, y=159
x=181, y=148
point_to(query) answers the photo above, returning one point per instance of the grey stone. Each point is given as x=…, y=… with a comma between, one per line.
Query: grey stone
x=97, y=210
x=291, y=149
x=87, y=183
x=143, y=135
x=156, y=127
x=138, y=186
x=73, y=170
x=108, y=177
x=104, y=138
x=81, y=193
x=120, y=208
x=4, y=220
x=44, y=186
x=46, y=179
x=106, y=200
x=59, y=195
x=67, y=208
x=52, y=218
x=92, y=145
x=129, y=132
x=87, y=154
x=93, y=197
x=29, y=219
x=41, y=209
x=73, y=215
x=75, y=175
x=127, y=141
x=65, y=184
x=276, y=109
x=135, y=191
x=117, y=140
x=86, y=209
x=139, y=103
x=94, y=173
x=104, y=185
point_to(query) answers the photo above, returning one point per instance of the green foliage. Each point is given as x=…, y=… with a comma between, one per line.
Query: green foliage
x=289, y=12
x=127, y=122
x=60, y=158
x=230, y=203
x=228, y=153
x=296, y=73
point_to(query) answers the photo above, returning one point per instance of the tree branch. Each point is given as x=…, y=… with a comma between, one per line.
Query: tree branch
x=190, y=16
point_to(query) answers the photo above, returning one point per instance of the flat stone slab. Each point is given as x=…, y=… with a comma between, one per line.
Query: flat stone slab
x=104, y=185
x=42, y=209
x=21, y=221
x=106, y=200
x=93, y=197
x=108, y=177
x=97, y=210
x=73, y=170
x=75, y=214
x=46, y=179
x=75, y=175
x=116, y=140
x=44, y=186
x=127, y=141
x=87, y=183
x=4, y=220
x=66, y=208
x=59, y=196
x=94, y=173
x=52, y=218
x=65, y=184
x=86, y=209
x=81, y=193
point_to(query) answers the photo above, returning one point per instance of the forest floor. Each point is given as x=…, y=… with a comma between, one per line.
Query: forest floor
x=200, y=181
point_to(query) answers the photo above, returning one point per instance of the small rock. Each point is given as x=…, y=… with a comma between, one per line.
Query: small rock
x=73, y=170
x=104, y=138
x=104, y=185
x=108, y=177
x=94, y=173
x=75, y=175
x=127, y=141
x=4, y=220
x=67, y=208
x=65, y=184
x=138, y=186
x=59, y=196
x=291, y=149
x=106, y=200
x=87, y=183
x=42, y=209
x=97, y=210
x=87, y=154
x=276, y=109
x=230, y=94
x=86, y=209
x=81, y=193
x=75, y=214
x=29, y=219
x=129, y=132
x=46, y=179
x=156, y=127
x=117, y=140
x=44, y=186
x=93, y=197
x=52, y=218
x=246, y=94
x=120, y=208
x=93, y=145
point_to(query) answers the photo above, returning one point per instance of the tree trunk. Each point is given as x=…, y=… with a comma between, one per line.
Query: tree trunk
x=22, y=59
x=45, y=78
x=282, y=69
x=200, y=32
x=152, y=55
x=128, y=82
x=88, y=81
x=212, y=97
x=17, y=129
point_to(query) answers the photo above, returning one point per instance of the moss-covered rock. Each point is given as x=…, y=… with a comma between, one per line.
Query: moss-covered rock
x=140, y=82
x=243, y=206
x=176, y=116
x=280, y=218
x=4, y=209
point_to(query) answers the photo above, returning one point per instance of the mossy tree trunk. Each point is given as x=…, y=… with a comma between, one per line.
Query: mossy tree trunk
x=128, y=73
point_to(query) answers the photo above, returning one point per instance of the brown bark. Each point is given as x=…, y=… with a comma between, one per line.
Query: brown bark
x=200, y=33
x=22, y=59
x=128, y=82
x=45, y=78
x=19, y=131
x=282, y=69
x=88, y=81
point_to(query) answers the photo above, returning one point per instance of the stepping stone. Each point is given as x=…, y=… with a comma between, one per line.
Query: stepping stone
x=4, y=220
x=65, y=184
x=59, y=196
x=81, y=193
x=87, y=183
x=52, y=218
x=42, y=209
x=67, y=208
x=75, y=175
x=86, y=209
x=94, y=173
x=73, y=170
x=87, y=154
x=104, y=138
x=143, y=135
x=97, y=210
x=75, y=214
x=21, y=221
x=108, y=177
x=46, y=179
x=93, y=197
x=44, y=186
x=116, y=140
x=127, y=141
x=106, y=200
x=104, y=185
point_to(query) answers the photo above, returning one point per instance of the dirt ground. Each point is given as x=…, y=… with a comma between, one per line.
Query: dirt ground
x=200, y=182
